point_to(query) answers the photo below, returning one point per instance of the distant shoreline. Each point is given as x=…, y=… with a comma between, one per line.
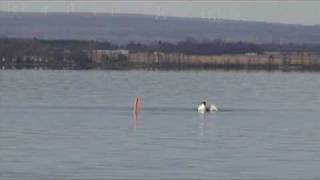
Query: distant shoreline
x=64, y=68
x=185, y=55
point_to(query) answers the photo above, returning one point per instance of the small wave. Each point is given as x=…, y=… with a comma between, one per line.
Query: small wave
x=97, y=107
x=142, y=109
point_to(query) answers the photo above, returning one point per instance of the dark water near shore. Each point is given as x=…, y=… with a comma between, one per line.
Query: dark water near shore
x=79, y=124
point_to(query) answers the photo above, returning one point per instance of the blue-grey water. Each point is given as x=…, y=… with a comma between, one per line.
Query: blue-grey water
x=79, y=124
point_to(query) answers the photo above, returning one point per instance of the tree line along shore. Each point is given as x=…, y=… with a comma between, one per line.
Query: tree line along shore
x=187, y=54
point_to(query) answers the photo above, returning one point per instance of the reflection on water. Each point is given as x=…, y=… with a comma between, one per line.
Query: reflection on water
x=204, y=121
x=135, y=120
x=80, y=124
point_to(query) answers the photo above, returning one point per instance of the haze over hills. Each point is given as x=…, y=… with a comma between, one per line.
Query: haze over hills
x=122, y=28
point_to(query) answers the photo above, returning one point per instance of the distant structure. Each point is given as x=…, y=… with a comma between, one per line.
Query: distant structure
x=100, y=56
x=251, y=54
x=273, y=53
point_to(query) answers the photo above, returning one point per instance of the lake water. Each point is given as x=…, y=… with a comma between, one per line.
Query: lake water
x=79, y=124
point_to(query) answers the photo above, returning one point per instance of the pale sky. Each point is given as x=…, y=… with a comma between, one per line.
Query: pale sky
x=285, y=11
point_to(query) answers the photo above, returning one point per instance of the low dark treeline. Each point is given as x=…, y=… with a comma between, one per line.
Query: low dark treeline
x=77, y=44
x=219, y=47
x=291, y=47
x=27, y=47
x=55, y=49
x=191, y=46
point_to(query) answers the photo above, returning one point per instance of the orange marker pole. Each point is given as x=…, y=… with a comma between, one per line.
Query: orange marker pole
x=136, y=105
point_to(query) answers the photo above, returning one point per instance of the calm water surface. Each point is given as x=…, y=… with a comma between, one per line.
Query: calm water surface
x=79, y=124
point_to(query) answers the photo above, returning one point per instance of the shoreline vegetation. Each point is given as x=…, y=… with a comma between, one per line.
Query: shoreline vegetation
x=17, y=53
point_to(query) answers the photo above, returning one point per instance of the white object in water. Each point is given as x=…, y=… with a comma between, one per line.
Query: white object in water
x=202, y=108
x=213, y=108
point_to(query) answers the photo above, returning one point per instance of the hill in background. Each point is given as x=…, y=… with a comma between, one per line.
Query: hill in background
x=122, y=28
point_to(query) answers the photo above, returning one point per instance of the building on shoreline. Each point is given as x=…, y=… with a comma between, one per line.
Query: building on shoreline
x=124, y=59
x=269, y=60
x=100, y=56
